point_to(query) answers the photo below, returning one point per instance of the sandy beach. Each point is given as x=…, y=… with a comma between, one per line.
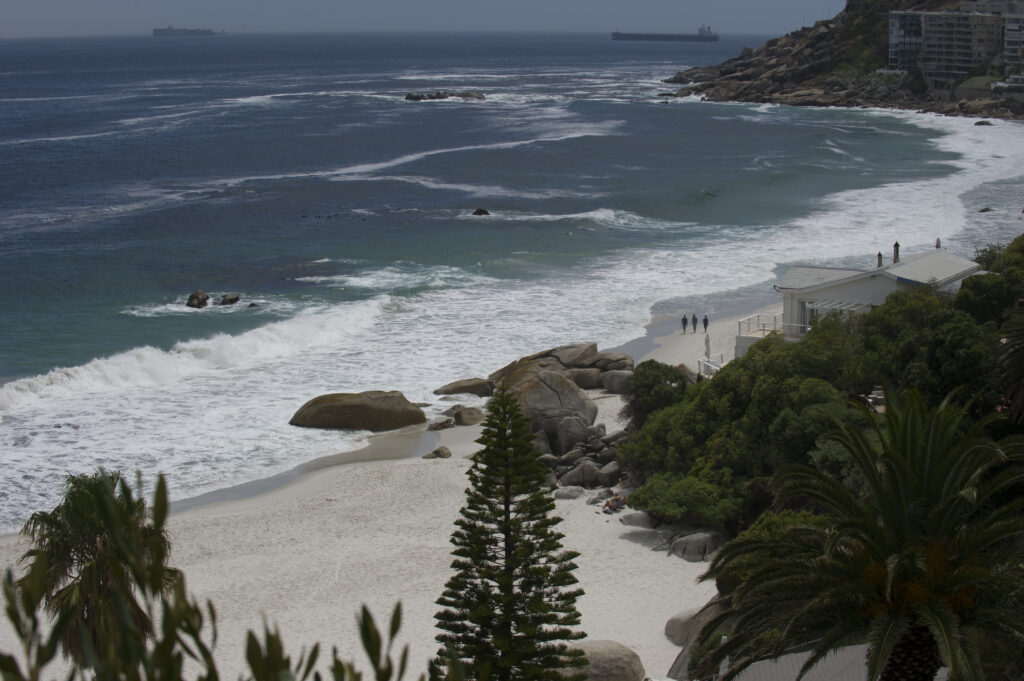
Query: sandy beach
x=304, y=552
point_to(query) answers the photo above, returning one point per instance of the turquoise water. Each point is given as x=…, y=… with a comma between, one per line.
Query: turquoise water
x=290, y=170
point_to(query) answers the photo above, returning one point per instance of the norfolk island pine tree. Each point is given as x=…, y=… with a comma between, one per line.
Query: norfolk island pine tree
x=509, y=609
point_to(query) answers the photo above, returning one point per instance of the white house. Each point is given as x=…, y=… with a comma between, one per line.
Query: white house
x=810, y=292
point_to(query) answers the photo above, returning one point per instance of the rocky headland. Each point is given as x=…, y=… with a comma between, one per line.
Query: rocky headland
x=833, y=63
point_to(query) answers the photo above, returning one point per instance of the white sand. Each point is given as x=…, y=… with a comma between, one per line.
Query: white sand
x=686, y=348
x=306, y=556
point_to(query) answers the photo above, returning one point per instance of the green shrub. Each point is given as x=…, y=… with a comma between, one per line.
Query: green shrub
x=653, y=386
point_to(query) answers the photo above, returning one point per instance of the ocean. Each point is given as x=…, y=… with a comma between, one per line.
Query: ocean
x=290, y=170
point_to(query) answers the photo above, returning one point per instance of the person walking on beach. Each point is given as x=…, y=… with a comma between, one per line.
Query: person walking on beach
x=705, y=324
x=694, y=320
x=685, y=320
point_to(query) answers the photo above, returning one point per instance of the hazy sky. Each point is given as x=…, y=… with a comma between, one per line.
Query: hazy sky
x=37, y=18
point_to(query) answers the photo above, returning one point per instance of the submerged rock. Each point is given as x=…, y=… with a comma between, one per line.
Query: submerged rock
x=198, y=300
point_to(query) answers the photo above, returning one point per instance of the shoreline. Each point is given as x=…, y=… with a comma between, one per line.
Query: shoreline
x=305, y=549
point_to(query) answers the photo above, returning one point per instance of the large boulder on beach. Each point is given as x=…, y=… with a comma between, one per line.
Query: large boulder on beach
x=562, y=358
x=548, y=398
x=682, y=629
x=610, y=661
x=588, y=379
x=469, y=416
x=441, y=452
x=374, y=410
x=584, y=475
x=549, y=393
x=609, y=474
x=617, y=381
x=610, y=361
x=574, y=355
x=698, y=546
x=571, y=430
x=481, y=387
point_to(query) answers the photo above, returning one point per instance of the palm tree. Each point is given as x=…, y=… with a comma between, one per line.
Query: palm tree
x=918, y=567
x=92, y=544
x=1011, y=363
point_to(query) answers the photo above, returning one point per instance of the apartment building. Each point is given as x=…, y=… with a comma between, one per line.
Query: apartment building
x=945, y=46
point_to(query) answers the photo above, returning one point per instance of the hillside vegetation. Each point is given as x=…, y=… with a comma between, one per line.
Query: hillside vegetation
x=833, y=63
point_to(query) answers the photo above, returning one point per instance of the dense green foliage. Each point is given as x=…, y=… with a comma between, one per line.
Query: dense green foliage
x=706, y=457
x=921, y=567
x=919, y=339
x=1011, y=365
x=88, y=576
x=989, y=297
x=185, y=632
x=508, y=609
x=653, y=386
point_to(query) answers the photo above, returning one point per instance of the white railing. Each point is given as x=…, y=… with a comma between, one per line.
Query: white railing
x=760, y=324
x=709, y=366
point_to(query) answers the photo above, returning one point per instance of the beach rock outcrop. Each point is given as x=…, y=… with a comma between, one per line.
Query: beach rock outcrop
x=228, y=299
x=698, y=546
x=198, y=299
x=441, y=424
x=680, y=627
x=610, y=661
x=588, y=379
x=584, y=475
x=441, y=452
x=548, y=398
x=569, y=492
x=374, y=410
x=638, y=519
x=481, y=211
x=481, y=387
x=684, y=634
x=617, y=381
x=468, y=416
x=834, y=63
x=550, y=388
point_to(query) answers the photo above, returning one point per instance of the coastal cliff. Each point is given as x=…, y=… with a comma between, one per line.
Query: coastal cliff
x=833, y=63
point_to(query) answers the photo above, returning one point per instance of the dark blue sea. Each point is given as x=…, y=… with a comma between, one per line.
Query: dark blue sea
x=291, y=171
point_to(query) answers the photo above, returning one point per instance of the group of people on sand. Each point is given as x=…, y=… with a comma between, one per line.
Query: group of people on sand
x=685, y=321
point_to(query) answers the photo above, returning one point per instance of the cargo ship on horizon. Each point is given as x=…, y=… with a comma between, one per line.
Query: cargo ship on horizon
x=171, y=32
x=703, y=35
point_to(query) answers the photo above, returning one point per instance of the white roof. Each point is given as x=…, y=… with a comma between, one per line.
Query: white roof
x=937, y=266
x=803, y=277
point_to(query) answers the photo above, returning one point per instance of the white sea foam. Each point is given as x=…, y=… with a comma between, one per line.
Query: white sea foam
x=56, y=138
x=392, y=278
x=481, y=191
x=152, y=367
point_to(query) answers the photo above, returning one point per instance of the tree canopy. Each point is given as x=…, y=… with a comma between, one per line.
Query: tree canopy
x=920, y=566
x=89, y=578
x=510, y=607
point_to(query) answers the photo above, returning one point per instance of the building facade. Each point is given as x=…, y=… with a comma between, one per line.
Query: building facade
x=946, y=46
